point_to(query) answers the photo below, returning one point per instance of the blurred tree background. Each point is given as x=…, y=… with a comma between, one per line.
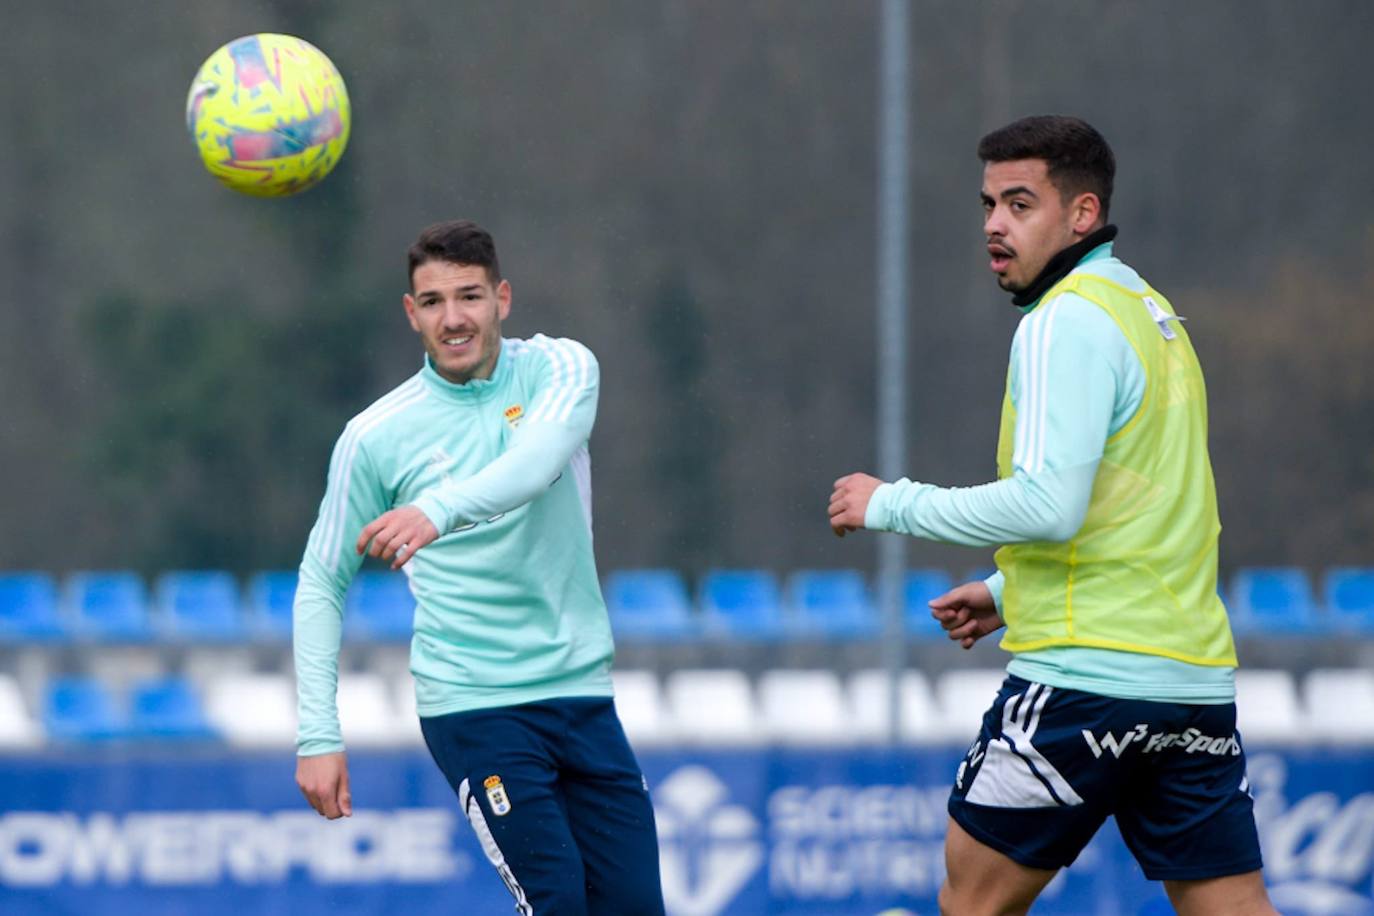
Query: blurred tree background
x=688, y=187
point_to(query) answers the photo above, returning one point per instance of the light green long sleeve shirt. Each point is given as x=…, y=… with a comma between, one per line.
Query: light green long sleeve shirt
x=508, y=603
x=1074, y=382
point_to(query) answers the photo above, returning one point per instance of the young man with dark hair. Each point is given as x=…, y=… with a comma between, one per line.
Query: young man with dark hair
x=473, y=476
x=1120, y=696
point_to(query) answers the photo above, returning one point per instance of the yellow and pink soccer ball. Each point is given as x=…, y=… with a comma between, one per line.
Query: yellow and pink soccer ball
x=269, y=114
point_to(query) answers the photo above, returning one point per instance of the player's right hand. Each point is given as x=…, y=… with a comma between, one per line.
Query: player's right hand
x=323, y=781
x=967, y=613
x=394, y=536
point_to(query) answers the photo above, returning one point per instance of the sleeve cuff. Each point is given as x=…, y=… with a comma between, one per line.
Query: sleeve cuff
x=434, y=511
x=317, y=746
x=995, y=583
x=879, y=510
x=891, y=505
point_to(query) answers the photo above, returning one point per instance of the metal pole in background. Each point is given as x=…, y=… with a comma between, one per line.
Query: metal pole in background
x=893, y=154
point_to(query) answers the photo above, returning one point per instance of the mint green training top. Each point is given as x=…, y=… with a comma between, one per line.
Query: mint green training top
x=1075, y=381
x=508, y=604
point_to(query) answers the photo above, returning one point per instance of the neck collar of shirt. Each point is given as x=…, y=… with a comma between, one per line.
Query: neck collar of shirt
x=1061, y=264
x=477, y=389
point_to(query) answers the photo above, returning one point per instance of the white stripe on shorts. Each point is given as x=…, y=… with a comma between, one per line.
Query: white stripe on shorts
x=1014, y=773
x=473, y=810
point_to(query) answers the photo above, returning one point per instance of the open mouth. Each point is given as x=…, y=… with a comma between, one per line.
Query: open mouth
x=457, y=342
x=999, y=258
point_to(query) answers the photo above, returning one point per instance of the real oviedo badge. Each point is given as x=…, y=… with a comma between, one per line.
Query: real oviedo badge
x=496, y=796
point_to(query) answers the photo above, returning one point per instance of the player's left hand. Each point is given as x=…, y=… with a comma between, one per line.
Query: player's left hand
x=397, y=534
x=849, y=502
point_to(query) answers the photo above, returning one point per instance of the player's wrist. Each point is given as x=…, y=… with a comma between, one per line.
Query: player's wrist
x=434, y=511
x=879, y=514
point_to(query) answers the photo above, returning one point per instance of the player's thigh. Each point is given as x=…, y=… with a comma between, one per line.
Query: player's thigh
x=611, y=816
x=1233, y=895
x=980, y=880
x=509, y=791
x=1187, y=814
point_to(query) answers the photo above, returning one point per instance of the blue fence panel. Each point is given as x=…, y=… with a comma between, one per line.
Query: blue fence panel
x=852, y=831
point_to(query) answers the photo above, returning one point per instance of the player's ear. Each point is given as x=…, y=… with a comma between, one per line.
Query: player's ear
x=503, y=299
x=1085, y=211
x=409, y=302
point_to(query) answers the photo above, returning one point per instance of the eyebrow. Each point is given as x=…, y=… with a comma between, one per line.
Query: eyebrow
x=986, y=198
x=471, y=287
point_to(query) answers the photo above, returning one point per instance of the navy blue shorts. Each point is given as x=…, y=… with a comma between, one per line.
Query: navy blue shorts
x=558, y=802
x=1051, y=764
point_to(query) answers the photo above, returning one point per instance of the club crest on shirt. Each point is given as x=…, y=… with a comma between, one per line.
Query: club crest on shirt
x=496, y=796
x=514, y=413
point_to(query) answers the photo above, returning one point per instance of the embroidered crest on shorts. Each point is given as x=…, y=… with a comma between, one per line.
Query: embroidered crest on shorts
x=496, y=796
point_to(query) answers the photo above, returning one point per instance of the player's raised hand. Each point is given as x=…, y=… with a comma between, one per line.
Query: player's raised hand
x=323, y=781
x=849, y=502
x=967, y=613
x=396, y=535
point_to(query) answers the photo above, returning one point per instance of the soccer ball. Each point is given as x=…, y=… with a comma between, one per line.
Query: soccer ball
x=269, y=114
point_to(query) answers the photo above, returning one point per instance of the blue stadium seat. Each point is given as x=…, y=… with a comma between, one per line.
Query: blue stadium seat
x=109, y=606
x=200, y=606
x=834, y=603
x=650, y=604
x=920, y=586
x=29, y=608
x=1349, y=594
x=1273, y=600
x=82, y=709
x=380, y=608
x=168, y=708
x=271, y=596
x=742, y=604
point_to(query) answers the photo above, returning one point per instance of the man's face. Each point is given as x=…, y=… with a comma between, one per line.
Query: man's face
x=1027, y=222
x=458, y=314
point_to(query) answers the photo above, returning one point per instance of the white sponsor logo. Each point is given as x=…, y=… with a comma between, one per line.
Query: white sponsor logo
x=1190, y=741
x=709, y=848
x=1111, y=743
x=41, y=849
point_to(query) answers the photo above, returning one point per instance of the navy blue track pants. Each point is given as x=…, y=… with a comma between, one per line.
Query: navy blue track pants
x=559, y=804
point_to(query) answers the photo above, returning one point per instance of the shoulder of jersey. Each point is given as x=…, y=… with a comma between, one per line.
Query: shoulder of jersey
x=557, y=350
x=389, y=406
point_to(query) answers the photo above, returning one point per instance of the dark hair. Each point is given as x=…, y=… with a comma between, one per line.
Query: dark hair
x=1076, y=155
x=459, y=241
